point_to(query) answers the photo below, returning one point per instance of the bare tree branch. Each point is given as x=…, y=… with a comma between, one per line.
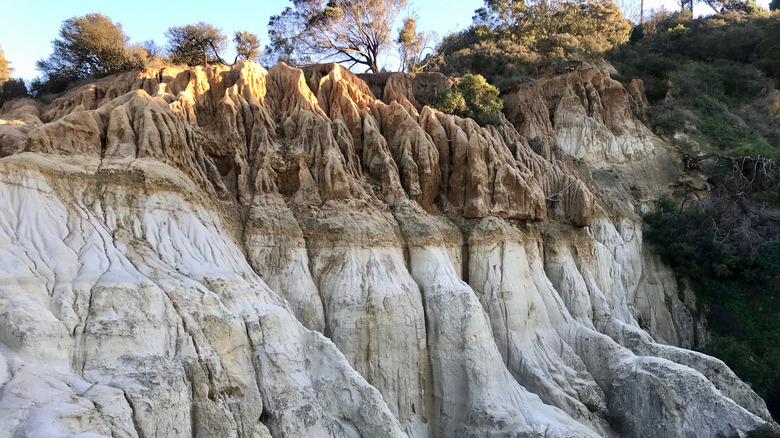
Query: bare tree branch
x=554, y=196
x=320, y=30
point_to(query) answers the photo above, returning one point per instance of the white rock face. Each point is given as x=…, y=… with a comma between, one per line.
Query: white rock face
x=240, y=253
x=135, y=314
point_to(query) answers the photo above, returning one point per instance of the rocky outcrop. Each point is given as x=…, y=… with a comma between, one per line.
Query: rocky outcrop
x=230, y=251
x=17, y=119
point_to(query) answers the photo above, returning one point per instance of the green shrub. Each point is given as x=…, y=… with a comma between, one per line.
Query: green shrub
x=497, y=58
x=593, y=406
x=473, y=97
x=668, y=119
x=735, y=282
x=711, y=79
x=451, y=102
x=510, y=42
x=736, y=355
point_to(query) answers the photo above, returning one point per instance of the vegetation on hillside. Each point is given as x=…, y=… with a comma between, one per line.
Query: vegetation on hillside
x=710, y=80
x=711, y=85
x=474, y=98
x=734, y=269
x=510, y=41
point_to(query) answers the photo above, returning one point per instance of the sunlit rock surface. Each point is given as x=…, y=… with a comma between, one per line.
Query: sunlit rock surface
x=233, y=252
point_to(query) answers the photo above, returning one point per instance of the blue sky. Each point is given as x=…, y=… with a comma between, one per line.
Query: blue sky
x=28, y=27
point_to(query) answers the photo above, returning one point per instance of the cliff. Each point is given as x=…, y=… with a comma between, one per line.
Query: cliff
x=231, y=251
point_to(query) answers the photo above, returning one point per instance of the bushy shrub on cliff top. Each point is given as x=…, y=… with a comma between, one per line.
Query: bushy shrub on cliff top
x=474, y=98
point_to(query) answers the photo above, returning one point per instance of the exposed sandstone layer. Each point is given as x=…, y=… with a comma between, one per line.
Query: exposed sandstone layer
x=232, y=251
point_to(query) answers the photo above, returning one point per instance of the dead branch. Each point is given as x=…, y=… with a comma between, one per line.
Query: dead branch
x=554, y=196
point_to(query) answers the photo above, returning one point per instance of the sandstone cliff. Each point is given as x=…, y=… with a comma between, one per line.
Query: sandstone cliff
x=232, y=251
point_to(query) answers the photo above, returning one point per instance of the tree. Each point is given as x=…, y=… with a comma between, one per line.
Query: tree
x=152, y=49
x=247, y=46
x=633, y=10
x=88, y=46
x=747, y=6
x=686, y=4
x=502, y=60
x=510, y=41
x=775, y=5
x=591, y=20
x=9, y=88
x=501, y=15
x=12, y=89
x=5, y=69
x=196, y=44
x=353, y=32
x=583, y=19
x=411, y=45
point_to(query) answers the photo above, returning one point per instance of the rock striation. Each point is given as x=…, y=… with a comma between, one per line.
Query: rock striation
x=230, y=251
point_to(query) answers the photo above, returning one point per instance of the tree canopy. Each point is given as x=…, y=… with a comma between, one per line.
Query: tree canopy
x=9, y=88
x=599, y=23
x=5, y=69
x=12, y=89
x=510, y=40
x=411, y=45
x=88, y=46
x=91, y=45
x=247, y=45
x=196, y=44
x=353, y=32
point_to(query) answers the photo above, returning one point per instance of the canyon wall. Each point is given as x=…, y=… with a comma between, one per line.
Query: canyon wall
x=230, y=251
